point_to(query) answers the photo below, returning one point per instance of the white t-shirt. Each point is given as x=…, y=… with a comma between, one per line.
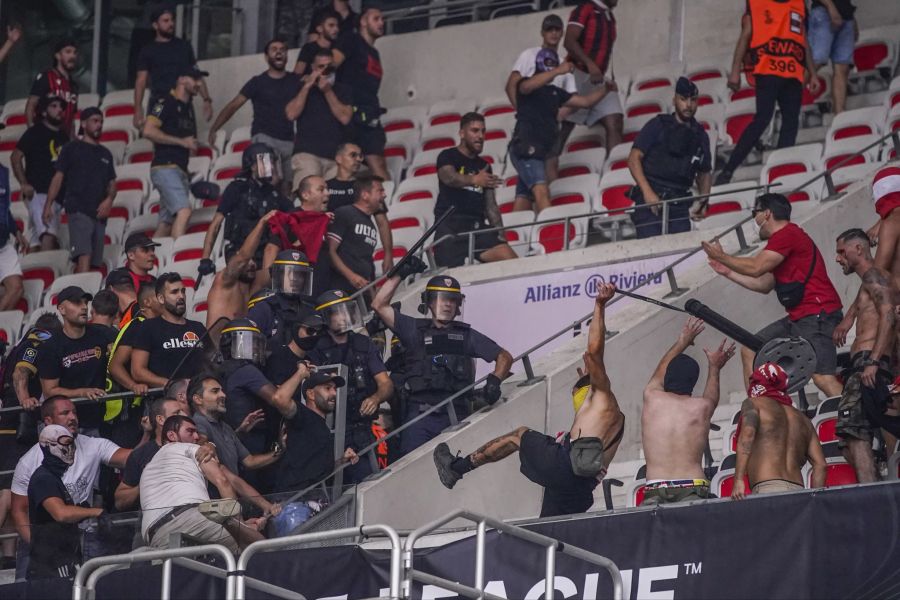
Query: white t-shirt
x=526, y=66
x=171, y=479
x=80, y=478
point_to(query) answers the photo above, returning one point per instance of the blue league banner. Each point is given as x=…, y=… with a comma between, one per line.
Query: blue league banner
x=838, y=543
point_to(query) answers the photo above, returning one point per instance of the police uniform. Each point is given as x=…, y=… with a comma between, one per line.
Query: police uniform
x=245, y=201
x=439, y=363
x=289, y=300
x=674, y=154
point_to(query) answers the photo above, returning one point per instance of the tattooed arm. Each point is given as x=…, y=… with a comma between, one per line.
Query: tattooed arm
x=749, y=427
x=877, y=284
x=491, y=210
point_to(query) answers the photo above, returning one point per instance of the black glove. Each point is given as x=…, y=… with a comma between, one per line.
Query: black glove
x=491, y=389
x=207, y=267
x=411, y=266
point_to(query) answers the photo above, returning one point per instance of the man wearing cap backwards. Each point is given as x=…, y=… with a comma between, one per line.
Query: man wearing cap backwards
x=72, y=363
x=55, y=549
x=568, y=468
x=86, y=171
x=886, y=193
x=368, y=382
x=33, y=163
x=871, y=353
x=57, y=82
x=675, y=423
x=172, y=128
x=775, y=439
x=440, y=352
x=669, y=155
x=161, y=62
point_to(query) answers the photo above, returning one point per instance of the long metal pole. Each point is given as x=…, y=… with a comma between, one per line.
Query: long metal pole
x=550, y=571
x=166, y=591
x=479, y=556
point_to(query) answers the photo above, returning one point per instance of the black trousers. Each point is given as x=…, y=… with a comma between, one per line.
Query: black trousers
x=770, y=89
x=647, y=224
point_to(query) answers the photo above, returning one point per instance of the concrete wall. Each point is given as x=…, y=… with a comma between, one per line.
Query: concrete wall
x=411, y=492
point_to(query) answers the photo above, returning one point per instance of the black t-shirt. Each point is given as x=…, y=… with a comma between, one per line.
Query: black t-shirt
x=139, y=458
x=340, y=193
x=357, y=235
x=318, y=131
x=163, y=61
x=41, y=147
x=131, y=333
x=307, y=54
x=242, y=388
x=469, y=201
x=54, y=546
x=79, y=363
x=536, y=123
x=269, y=96
x=24, y=355
x=844, y=7
x=87, y=170
x=361, y=70
x=168, y=343
x=309, y=451
x=177, y=119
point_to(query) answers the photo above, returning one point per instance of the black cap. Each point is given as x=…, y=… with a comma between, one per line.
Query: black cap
x=160, y=10
x=72, y=293
x=192, y=71
x=322, y=377
x=139, y=240
x=90, y=111
x=686, y=88
x=205, y=190
x=120, y=276
x=64, y=43
x=551, y=22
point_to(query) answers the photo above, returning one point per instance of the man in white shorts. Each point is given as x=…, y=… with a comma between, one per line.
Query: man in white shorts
x=175, y=498
x=10, y=269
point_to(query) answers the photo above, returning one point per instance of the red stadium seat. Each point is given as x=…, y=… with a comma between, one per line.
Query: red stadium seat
x=869, y=55
x=140, y=157
x=118, y=110
x=718, y=208
x=44, y=274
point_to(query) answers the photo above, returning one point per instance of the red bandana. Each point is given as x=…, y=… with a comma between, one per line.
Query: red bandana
x=769, y=381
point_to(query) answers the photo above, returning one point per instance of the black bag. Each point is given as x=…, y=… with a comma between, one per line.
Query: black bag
x=791, y=294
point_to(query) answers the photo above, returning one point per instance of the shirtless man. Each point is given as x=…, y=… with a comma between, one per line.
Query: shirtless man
x=569, y=469
x=775, y=439
x=232, y=287
x=675, y=423
x=886, y=193
x=871, y=351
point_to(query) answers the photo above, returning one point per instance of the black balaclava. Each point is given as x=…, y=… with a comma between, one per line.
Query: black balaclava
x=681, y=375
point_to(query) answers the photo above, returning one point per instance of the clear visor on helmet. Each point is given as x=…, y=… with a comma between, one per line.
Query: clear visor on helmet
x=445, y=306
x=248, y=345
x=344, y=316
x=296, y=280
x=267, y=166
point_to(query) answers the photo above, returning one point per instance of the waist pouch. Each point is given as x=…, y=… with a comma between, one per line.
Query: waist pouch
x=586, y=455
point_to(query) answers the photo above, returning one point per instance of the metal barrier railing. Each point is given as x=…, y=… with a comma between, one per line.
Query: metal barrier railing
x=552, y=546
x=436, y=11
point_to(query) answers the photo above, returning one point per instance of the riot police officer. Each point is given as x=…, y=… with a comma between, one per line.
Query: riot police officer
x=252, y=194
x=289, y=300
x=670, y=154
x=368, y=383
x=440, y=352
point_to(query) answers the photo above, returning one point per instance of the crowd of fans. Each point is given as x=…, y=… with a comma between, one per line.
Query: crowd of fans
x=239, y=406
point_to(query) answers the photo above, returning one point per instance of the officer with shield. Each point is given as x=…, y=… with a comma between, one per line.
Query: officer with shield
x=368, y=383
x=440, y=353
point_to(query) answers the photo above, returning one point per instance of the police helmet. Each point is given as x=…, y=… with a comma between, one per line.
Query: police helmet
x=340, y=311
x=442, y=288
x=241, y=339
x=261, y=155
x=292, y=274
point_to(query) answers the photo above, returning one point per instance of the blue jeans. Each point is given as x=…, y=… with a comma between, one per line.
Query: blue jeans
x=825, y=43
x=531, y=172
x=174, y=191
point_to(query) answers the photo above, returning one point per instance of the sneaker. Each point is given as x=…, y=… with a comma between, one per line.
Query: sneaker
x=723, y=177
x=443, y=458
x=219, y=511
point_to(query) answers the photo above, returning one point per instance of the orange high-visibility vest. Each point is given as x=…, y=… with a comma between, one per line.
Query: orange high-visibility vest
x=777, y=46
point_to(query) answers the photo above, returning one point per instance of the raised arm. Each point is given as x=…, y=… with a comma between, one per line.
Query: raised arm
x=877, y=284
x=341, y=111
x=210, y=239
x=716, y=360
x=382, y=302
x=593, y=358
x=245, y=254
x=293, y=108
x=539, y=80
x=749, y=426
x=692, y=328
x=282, y=397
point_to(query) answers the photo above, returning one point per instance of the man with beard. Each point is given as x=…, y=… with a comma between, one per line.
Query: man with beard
x=57, y=82
x=231, y=288
x=86, y=172
x=33, y=163
x=168, y=340
x=326, y=25
x=269, y=92
x=670, y=154
x=466, y=182
x=161, y=62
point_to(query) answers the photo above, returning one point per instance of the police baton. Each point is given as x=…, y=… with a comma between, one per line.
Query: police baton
x=410, y=252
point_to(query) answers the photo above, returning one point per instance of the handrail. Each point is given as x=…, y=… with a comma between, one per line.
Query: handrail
x=552, y=546
x=305, y=538
x=668, y=271
x=125, y=395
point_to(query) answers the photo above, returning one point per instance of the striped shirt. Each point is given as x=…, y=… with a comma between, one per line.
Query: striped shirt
x=598, y=33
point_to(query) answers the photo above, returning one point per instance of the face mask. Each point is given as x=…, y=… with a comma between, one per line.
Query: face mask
x=757, y=228
x=52, y=438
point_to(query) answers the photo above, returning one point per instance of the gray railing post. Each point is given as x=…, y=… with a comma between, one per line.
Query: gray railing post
x=451, y=413
x=829, y=184
x=530, y=377
x=895, y=141
x=665, y=218
x=566, y=234
x=471, y=240
x=742, y=240
x=673, y=284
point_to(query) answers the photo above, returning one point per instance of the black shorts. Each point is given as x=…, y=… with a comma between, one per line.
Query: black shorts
x=454, y=252
x=815, y=329
x=546, y=462
x=371, y=140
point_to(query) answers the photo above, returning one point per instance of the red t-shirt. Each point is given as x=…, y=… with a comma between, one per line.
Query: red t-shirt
x=797, y=249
